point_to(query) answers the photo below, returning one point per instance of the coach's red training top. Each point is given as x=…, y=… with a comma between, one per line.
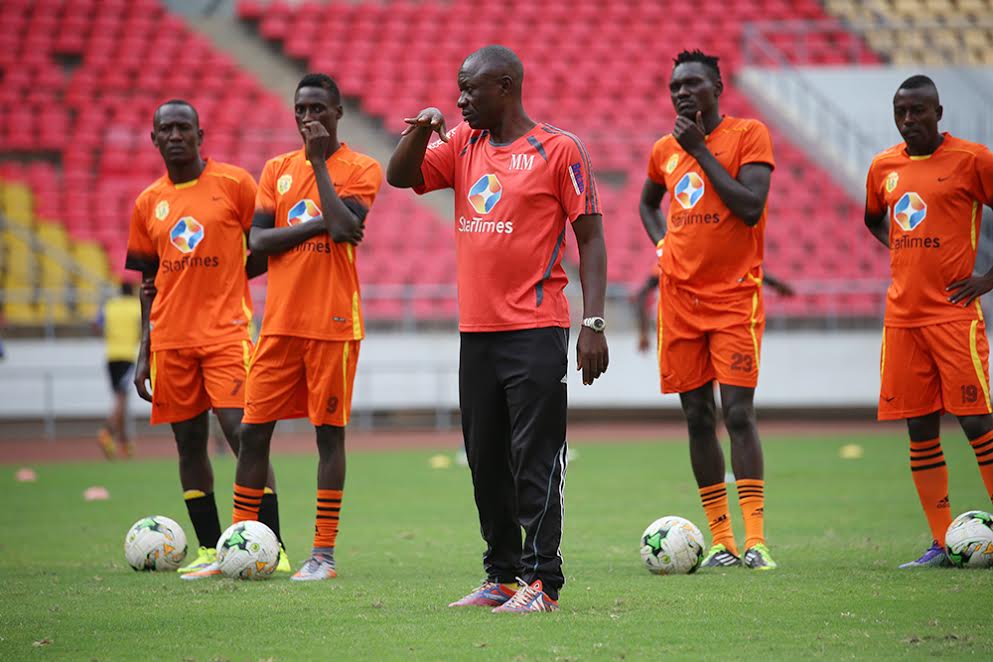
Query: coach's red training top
x=513, y=204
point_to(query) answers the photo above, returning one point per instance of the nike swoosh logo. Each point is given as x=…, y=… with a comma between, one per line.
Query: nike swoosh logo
x=719, y=153
x=215, y=198
x=889, y=399
x=941, y=179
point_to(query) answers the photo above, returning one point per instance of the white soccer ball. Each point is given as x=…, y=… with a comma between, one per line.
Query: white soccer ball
x=248, y=550
x=672, y=546
x=969, y=540
x=155, y=543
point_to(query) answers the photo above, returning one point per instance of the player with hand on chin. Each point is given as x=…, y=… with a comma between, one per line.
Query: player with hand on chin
x=309, y=217
x=519, y=186
x=711, y=314
x=187, y=238
x=924, y=201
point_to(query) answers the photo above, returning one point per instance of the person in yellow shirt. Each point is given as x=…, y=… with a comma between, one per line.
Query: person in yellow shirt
x=120, y=319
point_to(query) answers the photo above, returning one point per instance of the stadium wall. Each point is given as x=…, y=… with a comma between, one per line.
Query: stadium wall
x=400, y=371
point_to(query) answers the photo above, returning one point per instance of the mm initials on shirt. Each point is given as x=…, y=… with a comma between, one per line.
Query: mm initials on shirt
x=521, y=161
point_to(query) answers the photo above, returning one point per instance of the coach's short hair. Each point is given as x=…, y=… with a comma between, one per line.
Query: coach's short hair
x=696, y=55
x=323, y=81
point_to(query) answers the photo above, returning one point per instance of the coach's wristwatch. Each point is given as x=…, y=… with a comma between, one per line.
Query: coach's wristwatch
x=596, y=323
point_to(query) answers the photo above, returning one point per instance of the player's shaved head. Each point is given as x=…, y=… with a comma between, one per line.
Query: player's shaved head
x=498, y=62
x=923, y=85
x=176, y=102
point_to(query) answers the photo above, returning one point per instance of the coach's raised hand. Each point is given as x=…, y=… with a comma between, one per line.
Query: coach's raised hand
x=404, y=168
x=429, y=117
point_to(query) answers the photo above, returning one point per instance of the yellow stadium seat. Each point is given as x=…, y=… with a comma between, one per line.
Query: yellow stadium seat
x=845, y=9
x=52, y=307
x=18, y=204
x=880, y=40
x=975, y=38
x=912, y=10
x=53, y=247
x=20, y=258
x=18, y=294
x=910, y=39
x=91, y=254
x=945, y=38
x=942, y=9
x=975, y=8
x=91, y=257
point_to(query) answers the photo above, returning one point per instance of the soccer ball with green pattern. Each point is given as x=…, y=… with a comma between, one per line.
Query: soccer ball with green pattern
x=248, y=550
x=155, y=543
x=969, y=540
x=672, y=546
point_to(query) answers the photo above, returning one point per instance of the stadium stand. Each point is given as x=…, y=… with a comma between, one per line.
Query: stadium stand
x=80, y=81
x=929, y=32
x=600, y=68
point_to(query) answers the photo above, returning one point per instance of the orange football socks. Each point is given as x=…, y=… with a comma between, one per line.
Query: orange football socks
x=751, y=497
x=927, y=466
x=983, y=447
x=715, y=505
x=247, y=501
x=326, y=524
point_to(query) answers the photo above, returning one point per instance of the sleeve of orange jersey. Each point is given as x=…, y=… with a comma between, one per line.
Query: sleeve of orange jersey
x=655, y=160
x=265, y=197
x=438, y=167
x=984, y=176
x=577, y=187
x=141, y=251
x=756, y=146
x=875, y=204
x=247, y=192
x=364, y=186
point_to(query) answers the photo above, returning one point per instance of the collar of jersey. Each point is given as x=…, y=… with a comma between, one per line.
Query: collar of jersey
x=925, y=157
x=193, y=182
x=719, y=127
x=489, y=137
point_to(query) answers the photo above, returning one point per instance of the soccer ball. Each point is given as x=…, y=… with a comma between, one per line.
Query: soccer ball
x=248, y=550
x=969, y=540
x=155, y=543
x=672, y=546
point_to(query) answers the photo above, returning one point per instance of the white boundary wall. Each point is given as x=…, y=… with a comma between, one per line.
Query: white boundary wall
x=419, y=371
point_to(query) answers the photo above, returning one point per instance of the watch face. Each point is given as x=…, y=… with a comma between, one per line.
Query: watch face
x=597, y=323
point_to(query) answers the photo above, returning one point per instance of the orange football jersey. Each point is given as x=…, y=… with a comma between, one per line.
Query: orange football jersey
x=194, y=234
x=313, y=288
x=709, y=250
x=935, y=208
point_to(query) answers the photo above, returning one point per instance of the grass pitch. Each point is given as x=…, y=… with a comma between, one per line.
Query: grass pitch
x=410, y=544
